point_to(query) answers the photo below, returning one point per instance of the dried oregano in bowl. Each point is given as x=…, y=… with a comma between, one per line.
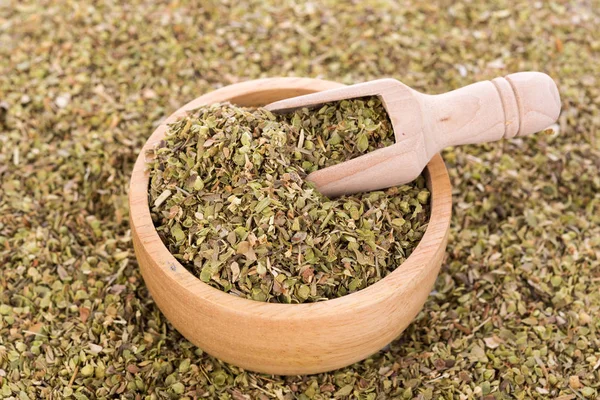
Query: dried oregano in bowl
x=230, y=202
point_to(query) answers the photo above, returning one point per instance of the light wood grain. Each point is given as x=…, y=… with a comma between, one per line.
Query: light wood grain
x=519, y=104
x=282, y=338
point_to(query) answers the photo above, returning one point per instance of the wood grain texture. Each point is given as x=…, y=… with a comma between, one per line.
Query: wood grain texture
x=519, y=104
x=283, y=338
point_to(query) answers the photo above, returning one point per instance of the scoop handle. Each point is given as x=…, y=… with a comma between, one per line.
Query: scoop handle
x=517, y=105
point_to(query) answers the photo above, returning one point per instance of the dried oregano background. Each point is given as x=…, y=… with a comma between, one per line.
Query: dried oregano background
x=229, y=199
x=83, y=84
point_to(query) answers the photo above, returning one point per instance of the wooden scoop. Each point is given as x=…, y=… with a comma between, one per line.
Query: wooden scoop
x=517, y=105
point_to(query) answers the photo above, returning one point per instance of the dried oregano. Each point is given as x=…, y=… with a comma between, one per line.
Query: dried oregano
x=230, y=200
x=514, y=313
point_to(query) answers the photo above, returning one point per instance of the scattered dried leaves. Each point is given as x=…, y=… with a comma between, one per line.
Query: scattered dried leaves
x=82, y=84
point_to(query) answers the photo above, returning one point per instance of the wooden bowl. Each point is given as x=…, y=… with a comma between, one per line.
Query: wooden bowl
x=286, y=339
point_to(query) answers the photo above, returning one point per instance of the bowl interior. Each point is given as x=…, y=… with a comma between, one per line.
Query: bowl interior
x=256, y=93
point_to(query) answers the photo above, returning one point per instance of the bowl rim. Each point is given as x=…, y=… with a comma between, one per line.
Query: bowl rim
x=404, y=277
